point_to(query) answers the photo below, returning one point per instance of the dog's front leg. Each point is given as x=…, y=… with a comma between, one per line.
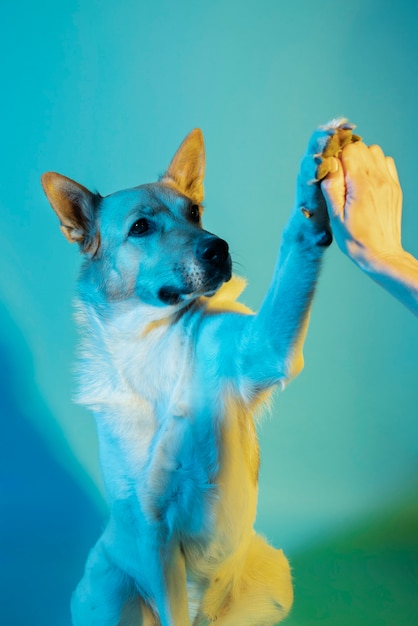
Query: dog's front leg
x=102, y=592
x=271, y=342
x=166, y=582
x=175, y=578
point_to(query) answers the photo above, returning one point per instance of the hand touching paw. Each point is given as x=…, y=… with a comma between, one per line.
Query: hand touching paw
x=325, y=144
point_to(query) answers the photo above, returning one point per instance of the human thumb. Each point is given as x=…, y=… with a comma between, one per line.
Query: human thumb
x=333, y=188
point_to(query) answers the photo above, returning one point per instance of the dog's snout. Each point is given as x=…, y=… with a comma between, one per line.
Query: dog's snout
x=214, y=250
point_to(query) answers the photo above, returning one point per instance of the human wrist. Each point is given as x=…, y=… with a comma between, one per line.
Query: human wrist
x=398, y=274
x=386, y=264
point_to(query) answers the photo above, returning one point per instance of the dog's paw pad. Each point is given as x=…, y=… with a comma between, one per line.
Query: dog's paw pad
x=340, y=134
x=325, y=240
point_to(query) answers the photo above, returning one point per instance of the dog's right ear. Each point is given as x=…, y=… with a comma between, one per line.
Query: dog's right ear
x=75, y=207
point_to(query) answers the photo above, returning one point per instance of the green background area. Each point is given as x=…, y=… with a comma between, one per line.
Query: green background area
x=104, y=93
x=366, y=576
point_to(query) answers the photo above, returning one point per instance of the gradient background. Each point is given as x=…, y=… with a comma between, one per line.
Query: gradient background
x=104, y=92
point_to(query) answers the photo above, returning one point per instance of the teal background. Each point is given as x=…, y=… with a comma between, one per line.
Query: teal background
x=104, y=92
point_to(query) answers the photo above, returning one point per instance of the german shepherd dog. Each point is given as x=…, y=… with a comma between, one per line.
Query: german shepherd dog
x=174, y=369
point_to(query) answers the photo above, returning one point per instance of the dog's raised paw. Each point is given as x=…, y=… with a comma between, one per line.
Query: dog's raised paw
x=338, y=134
x=324, y=146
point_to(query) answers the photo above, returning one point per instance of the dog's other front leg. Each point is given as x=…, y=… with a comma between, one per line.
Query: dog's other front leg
x=102, y=592
x=271, y=342
x=175, y=577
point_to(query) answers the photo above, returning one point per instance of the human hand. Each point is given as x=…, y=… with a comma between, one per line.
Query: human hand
x=364, y=201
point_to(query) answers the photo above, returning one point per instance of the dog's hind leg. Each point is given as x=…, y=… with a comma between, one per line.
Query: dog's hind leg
x=258, y=594
x=102, y=592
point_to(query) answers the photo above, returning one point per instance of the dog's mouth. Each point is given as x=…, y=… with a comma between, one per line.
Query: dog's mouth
x=171, y=295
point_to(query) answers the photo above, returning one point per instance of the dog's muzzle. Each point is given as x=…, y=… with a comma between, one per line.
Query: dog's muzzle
x=213, y=267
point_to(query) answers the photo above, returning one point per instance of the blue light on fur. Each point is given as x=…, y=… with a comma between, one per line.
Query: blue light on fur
x=103, y=94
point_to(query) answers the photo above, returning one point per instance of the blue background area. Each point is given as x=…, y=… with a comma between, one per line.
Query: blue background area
x=104, y=92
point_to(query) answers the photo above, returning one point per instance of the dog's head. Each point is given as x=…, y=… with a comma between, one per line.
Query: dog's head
x=146, y=242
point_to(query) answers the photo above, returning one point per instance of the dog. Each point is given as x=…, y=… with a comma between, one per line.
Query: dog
x=174, y=369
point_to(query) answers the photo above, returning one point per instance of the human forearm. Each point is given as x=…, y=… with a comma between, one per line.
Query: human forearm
x=398, y=274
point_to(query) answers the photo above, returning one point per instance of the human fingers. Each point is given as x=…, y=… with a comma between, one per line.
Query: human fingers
x=355, y=158
x=384, y=163
x=333, y=189
x=390, y=163
x=378, y=155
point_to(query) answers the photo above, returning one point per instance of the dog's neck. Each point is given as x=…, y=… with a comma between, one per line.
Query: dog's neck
x=118, y=342
x=121, y=339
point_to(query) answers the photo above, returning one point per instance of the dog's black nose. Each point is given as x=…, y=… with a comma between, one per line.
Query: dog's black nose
x=214, y=250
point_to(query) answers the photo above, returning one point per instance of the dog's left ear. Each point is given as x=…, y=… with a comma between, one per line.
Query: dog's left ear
x=187, y=168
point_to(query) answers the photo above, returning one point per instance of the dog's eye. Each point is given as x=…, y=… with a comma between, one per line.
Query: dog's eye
x=194, y=213
x=139, y=228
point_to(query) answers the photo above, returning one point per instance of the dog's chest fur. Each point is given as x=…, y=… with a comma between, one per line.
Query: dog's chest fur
x=160, y=437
